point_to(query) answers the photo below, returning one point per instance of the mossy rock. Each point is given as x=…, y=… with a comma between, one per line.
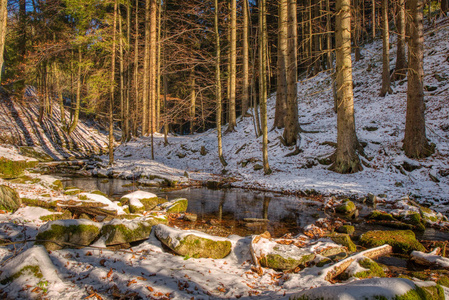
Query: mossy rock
x=72, y=192
x=381, y=216
x=23, y=179
x=35, y=152
x=176, y=206
x=53, y=217
x=80, y=232
x=415, y=220
x=126, y=231
x=347, y=207
x=40, y=203
x=348, y=229
x=402, y=241
x=373, y=269
x=429, y=215
x=57, y=185
x=282, y=262
x=14, y=168
x=97, y=192
x=193, y=243
x=33, y=270
x=343, y=239
x=9, y=199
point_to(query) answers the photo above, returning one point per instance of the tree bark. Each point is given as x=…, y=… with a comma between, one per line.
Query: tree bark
x=245, y=85
x=373, y=20
x=401, y=61
x=112, y=88
x=281, y=93
x=59, y=92
x=136, y=72
x=233, y=68
x=3, y=22
x=153, y=71
x=146, y=71
x=192, y=100
x=122, y=79
x=346, y=158
x=218, y=85
x=386, y=84
x=415, y=140
x=291, y=130
x=78, y=95
x=263, y=82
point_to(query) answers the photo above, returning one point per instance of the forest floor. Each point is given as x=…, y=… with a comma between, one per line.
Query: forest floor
x=149, y=271
x=380, y=125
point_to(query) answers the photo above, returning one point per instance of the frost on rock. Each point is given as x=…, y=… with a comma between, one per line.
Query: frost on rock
x=140, y=201
x=55, y=234
x=374, y=288
x=271, y=254
x=32, y=267
x=126, y=231
x=193, y=243
x=108, y=204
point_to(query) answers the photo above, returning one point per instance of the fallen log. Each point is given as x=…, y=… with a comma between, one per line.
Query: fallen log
x=430, y=259
x=91, y=210
x=338, y=268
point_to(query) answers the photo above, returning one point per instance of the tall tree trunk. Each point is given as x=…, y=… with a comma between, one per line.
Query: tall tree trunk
x=136, y=71
x=445, y=6
x=128, y=71
x=233, y=68
x=401, y=60
x=122, y=79
x=282, y=63
x=386, y=85
x=245, y=54
x=263, y=83
x=218, y=85
x=59, y=92
x=192, y=100
x=415, y=140
x=346, y=158
x=78, y=96
x=373, y=20
x=153, y=71
x=330, y=64
x=291, y=130
x=316, y=37
x=112, y=88
x=158, y=72
x=357, y=30
x=146, y=73
x=3, y=21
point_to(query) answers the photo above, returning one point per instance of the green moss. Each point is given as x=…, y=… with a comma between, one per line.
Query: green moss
x=348, y=229
x=33, y=270
x=402, y=241
x=381, y=215
x=72, y=192
x=39, y=203
x=346, y=208
x=425, y=293
x=196, y=247
x=444, y=281
x=128, y=217
x=120, y=234
x=82, y=234
x=415, y=220
x=83, y=197
x=178, y=206
x=99, y=193
x=14, y=168
x=374, y=270
x=57, y=185
x=71, y=188
x=53, y=217
x=323, y=262
x=343, y=239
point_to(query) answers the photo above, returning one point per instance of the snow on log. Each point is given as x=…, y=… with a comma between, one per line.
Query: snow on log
x=431, y=259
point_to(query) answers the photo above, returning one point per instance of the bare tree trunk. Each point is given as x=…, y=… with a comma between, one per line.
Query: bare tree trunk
x=346, y=158
x=245, y=86
x=415, y=140
x=78, y=95
x=158, y=75
x=153, y=68
x=373, y=11
x=128, y=71
x=401, y=61
x=146, y=71
x=445, y=6
x=3, y=21
x=192, y=100
x=291, y=130
x=330, y=64
x=233, y=68
x=386, y=85
x=112, y=89
x=122, y=82
x=263, y=83
x=59, y=92
x=357, y=30
x=136, y=71
x=282, y=63
x=218, y=86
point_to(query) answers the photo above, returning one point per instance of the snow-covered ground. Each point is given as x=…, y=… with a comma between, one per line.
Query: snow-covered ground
x=380, y=123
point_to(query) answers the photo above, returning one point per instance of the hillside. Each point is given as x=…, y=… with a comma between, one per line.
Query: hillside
x=380, y=124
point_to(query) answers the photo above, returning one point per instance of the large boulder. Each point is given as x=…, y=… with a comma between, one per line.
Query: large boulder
x=79, y=232
x=402, y=241
x=9, y=199
x=274, y=254
x=193, y=243
x=140, y=201
x=374, y=288
x=126, y=231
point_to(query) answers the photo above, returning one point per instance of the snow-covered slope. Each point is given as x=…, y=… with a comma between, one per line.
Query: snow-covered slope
x=380, y=123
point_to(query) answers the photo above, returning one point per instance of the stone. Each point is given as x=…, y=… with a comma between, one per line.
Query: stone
x=343, y=239
x=191, y=243
x=371, y=200
x=380, y=216
x=80, y=232
x=347, y=207
x=178, y=205
x=9, y=199
x=257, y=167
x=348, y=229
x=190, y=217
x=122, y=231
x=402, y=241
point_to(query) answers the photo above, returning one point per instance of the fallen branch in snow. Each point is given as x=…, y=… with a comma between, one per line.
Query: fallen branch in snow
x=431, y=259
x=338, y=268
x=90, y=210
